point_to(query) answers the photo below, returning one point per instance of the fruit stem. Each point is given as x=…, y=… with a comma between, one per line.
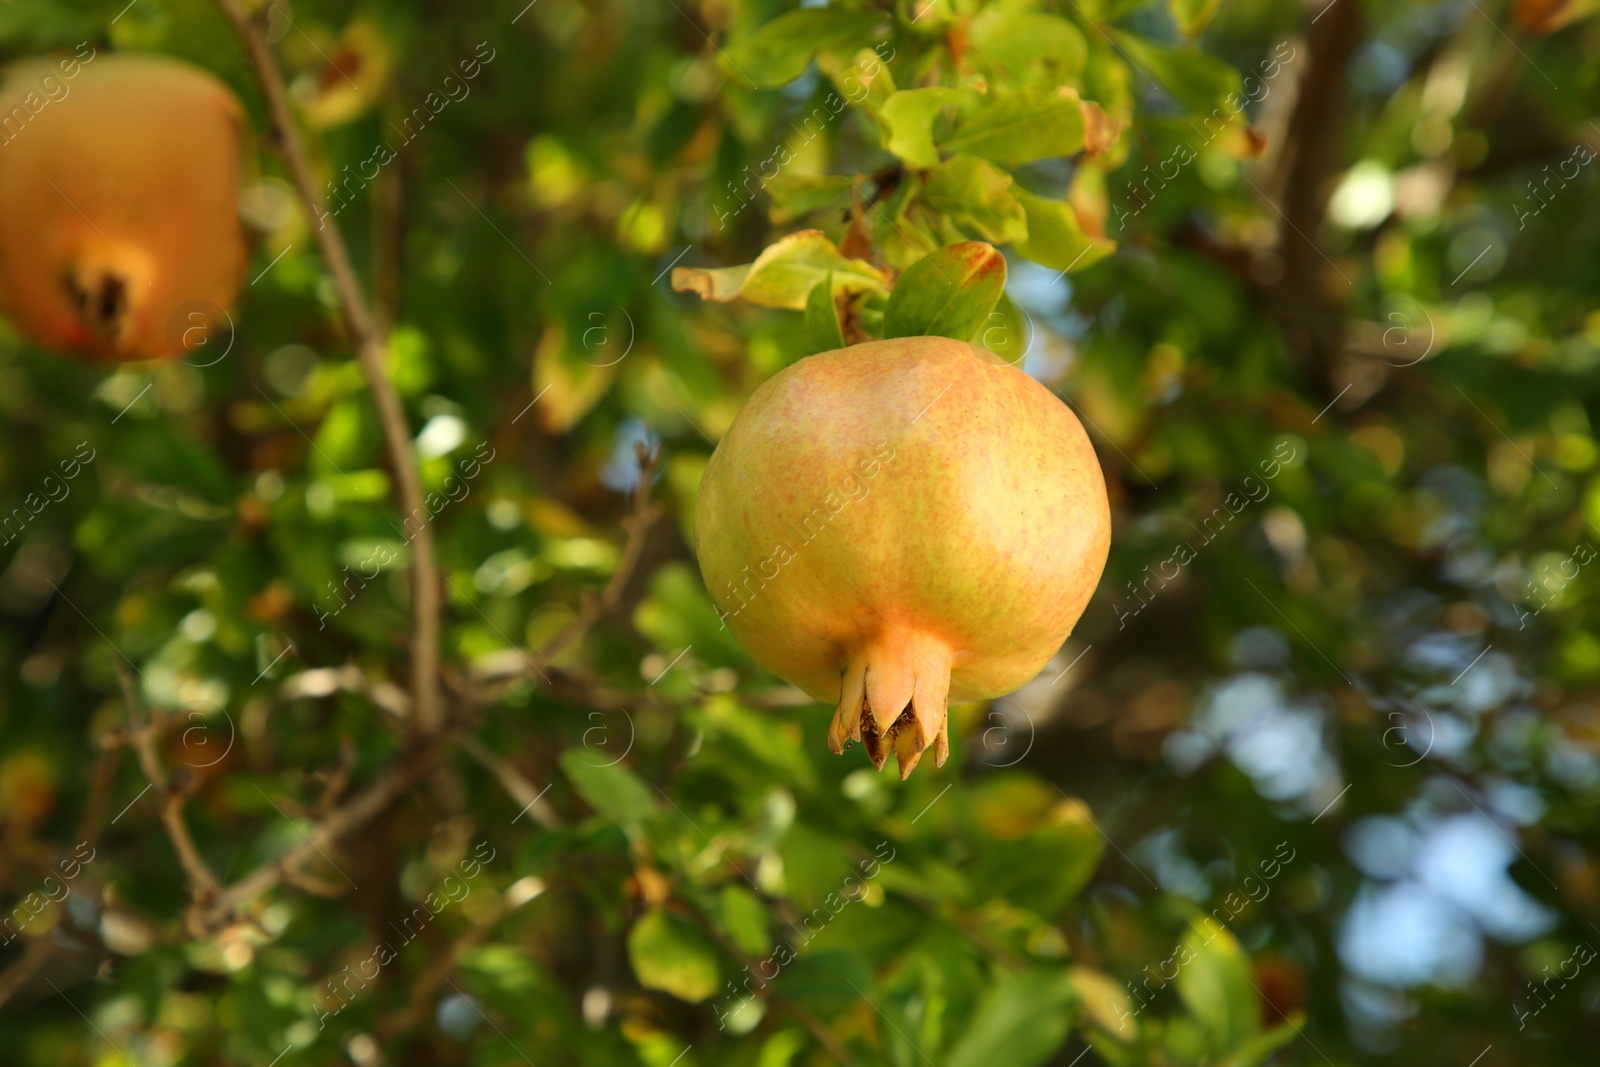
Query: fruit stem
x=371, y=347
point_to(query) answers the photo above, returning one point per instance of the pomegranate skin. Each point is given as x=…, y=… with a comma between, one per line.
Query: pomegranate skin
x=118, y=204
x=899, y=524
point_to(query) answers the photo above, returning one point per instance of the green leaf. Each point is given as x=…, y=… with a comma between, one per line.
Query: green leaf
x=978, y=195
x=745, y=919
x=677, y=614
x=822, y=319
x=783, y=275
x=1192, y=16
x=866, y=82
x=157, y=454
x=1256, y=1050
x=1036, y=123
x=1194, y=79
x=1054, y=239
x=780, y=51
x=1045, y=869
x=670, y=954
x=1026, y=46
x=609, y=788
x=1019, y=1022
x=947, y=293
x=910, y=115
x=815, y=865
x=1105, y=1002
x=794, y=195
x=1006, y=332
x=348, y=437
x=1214, y=984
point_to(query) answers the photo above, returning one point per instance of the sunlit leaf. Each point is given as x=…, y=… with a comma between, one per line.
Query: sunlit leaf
x=1054, y=237
x=910, y=115
x=1021, y=127
x=1010, y=40
x=1214, y=984
x=780, y=50
x=977, y=195
x=783, y=275
x=948, y=293
x=671, y=954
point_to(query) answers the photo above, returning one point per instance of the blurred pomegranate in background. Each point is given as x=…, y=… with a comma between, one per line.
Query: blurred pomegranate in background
x=900, y=524
x=119, y=226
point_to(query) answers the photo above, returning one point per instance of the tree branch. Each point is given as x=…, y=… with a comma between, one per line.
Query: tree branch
x=513, y=781
x=33, y=959
x=370, y=344
x=203, y=885
x=637, y=524
x=397, y=779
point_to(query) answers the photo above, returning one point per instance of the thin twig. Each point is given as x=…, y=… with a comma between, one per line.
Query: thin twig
x=370, y=344
x=528, y=798
x=396, y=780
x=90, y=826
x=203, y=885
x=33, y=959
x=428, y=981
x=637, y=524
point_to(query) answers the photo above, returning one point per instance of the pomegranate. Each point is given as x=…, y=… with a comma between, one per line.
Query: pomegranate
x=899, y=524
x=119, y=179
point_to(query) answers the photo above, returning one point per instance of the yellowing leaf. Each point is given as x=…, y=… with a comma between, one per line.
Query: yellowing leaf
x=566, y=383
x=910, y=115
x=783, y=275
x=1036, y=123
x=1214, y=984
x=1010, y=42
x=1105, y=1002
x=1055, y=239
x=673, y=956
x=977, y=194
x=354, y=76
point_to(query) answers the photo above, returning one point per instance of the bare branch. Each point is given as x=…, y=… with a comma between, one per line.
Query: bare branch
x=420, y=1001
x=37, y=954
x=637, y=524
x=203, y=885
x=513, y=781
x=397, y=779
x=370, y=344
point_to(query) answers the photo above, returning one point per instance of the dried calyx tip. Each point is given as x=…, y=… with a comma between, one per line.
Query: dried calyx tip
x=909, y=674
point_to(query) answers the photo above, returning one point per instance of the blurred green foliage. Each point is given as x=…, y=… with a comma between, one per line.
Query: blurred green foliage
x=1318, y=279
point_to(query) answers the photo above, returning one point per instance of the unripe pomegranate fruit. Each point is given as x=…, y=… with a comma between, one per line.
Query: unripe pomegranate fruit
x=899, y=524
x=118, y=201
